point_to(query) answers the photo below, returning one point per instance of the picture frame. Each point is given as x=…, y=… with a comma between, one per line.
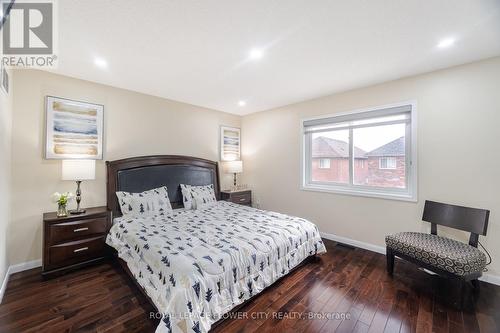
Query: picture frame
x=230, y=143
x=4, y=79
x=74, y=129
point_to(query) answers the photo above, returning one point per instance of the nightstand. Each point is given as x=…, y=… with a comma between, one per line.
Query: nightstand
x=74, y=241
x=242, y=197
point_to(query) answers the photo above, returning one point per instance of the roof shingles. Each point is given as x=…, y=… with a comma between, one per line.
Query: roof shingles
x=393, y=148
x=323, y=147
x=333, y=148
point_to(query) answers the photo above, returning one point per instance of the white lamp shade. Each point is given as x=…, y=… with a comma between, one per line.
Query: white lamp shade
x=78, y=169
x=232, y=166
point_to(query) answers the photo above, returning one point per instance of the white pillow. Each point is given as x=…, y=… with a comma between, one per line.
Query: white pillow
x=202, y=194
x=145, y=204
x=201, y=203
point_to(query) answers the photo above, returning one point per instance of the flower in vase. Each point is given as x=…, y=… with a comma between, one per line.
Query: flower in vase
x=62, y=198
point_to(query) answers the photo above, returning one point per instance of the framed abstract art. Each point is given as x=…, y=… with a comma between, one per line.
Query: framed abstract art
x=230, y=143
x=74, y=129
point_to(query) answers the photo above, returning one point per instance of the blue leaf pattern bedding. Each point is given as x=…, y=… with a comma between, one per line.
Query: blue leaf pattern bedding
x=196, y=265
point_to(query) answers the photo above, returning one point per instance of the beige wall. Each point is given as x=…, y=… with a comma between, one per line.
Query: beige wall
x=5, y=145
x=135, y=124
x=458, y=154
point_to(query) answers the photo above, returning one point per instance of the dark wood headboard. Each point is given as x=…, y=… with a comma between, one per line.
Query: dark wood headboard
x=143, y=173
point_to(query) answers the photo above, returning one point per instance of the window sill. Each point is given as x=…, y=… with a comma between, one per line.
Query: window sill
x=360, y=193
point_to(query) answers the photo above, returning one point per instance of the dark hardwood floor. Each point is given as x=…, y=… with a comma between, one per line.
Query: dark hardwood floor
x=102, y=298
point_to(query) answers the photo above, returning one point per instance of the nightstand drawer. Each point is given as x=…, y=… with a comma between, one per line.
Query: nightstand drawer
x=77, y=251
x=242, y=199
x=62, y=232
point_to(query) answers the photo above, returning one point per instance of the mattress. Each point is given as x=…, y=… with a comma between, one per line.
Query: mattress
x=197, y=265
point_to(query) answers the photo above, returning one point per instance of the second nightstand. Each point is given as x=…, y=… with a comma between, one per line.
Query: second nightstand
x=74, y=241
x=242, y=197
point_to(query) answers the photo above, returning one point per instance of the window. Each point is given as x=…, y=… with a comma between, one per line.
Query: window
x=324, y=163
x=387, y=163
x=370, y=153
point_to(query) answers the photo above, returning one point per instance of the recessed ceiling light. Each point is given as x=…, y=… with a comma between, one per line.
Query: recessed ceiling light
x=99, y=62
x=242, y=103
x=447, y=42
x=256, y=54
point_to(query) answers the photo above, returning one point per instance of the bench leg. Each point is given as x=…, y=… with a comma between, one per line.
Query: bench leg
x=466, y=298
x=390, y=260
x=476, y=285
x=462, y=297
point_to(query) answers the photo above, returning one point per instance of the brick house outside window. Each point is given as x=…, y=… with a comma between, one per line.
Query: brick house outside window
x=381, y=167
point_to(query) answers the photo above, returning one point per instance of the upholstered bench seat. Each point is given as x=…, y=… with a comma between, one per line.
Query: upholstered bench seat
x=443, y=253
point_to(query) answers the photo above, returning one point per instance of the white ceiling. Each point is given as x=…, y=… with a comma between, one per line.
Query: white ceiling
x=196, y=51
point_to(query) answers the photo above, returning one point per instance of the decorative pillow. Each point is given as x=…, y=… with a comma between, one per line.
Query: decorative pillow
x=145, y=204
x=201, y=203
x=187, y=198
x=203, y=194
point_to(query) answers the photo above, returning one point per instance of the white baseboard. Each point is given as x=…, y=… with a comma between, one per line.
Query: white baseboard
x=4, y=285
x=489, y=278
x=24, y=266
x=16, y=269
x=355, y=243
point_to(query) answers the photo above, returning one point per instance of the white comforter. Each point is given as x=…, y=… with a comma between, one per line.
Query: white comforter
x=196, y=265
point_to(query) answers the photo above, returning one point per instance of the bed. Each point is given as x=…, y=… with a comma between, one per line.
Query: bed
x=197, y=265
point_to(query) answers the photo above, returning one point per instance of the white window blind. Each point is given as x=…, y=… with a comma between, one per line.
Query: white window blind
x=363, y=119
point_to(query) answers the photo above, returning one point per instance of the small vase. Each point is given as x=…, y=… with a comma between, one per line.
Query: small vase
x=62, y=211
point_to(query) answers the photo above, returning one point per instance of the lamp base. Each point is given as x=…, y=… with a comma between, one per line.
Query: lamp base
x=77, y=211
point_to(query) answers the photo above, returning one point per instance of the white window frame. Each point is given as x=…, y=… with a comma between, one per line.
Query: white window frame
x=387, y=167
x=324, y=167
x=407, y=194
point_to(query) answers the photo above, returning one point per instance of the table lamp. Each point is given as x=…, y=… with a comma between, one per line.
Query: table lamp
x=233, y=167
x=78, y=170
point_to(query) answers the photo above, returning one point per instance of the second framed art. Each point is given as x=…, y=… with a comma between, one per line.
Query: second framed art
x=230, y=143
x=74, y=129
